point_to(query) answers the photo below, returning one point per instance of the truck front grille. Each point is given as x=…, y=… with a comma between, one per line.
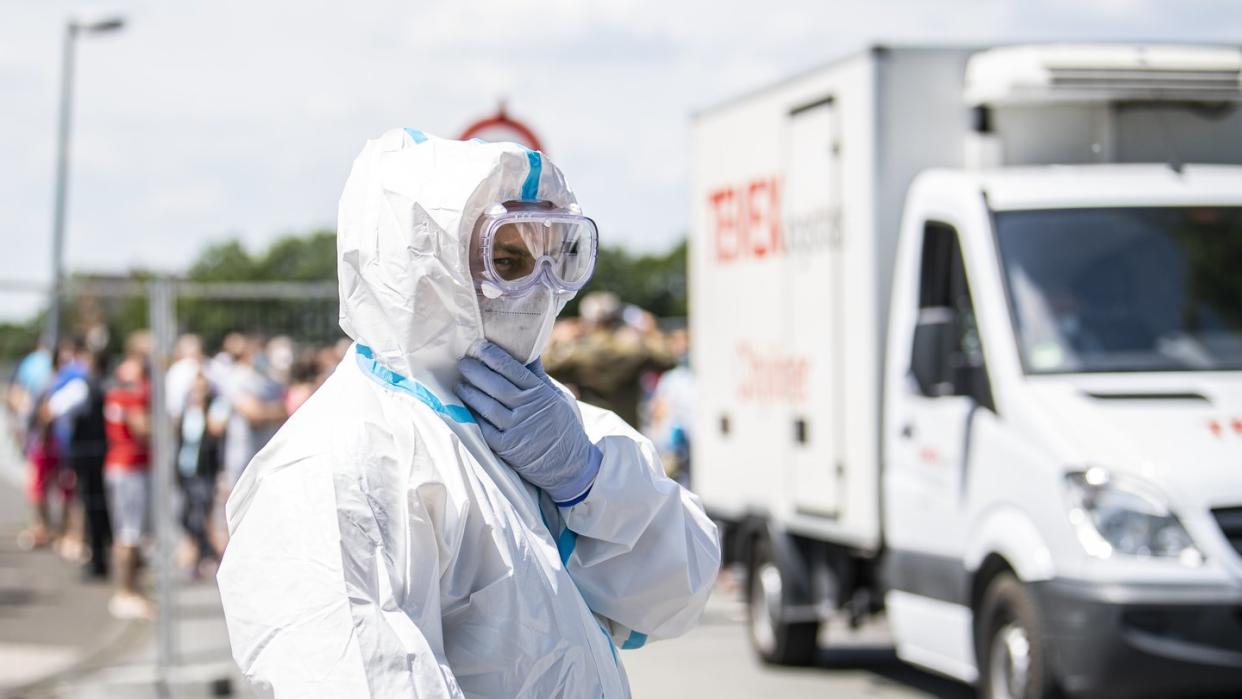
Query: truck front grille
x=1230, y=521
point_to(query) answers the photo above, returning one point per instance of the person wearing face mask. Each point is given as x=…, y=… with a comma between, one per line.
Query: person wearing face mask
x=440, y=518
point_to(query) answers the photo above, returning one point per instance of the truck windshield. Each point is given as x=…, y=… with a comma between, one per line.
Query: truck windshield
x=1125, y=289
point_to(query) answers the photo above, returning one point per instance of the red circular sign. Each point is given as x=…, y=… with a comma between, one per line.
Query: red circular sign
x=502, y=127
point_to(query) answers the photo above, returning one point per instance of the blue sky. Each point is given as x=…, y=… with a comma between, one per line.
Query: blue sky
x=207, y=120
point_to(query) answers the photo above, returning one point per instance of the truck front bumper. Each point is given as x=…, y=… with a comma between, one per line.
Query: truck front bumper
x=1114, y=640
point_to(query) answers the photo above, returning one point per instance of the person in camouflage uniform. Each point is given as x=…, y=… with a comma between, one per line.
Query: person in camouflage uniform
x=603, y=354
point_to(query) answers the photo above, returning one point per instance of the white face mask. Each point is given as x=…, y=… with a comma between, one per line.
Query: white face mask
x=521, y=324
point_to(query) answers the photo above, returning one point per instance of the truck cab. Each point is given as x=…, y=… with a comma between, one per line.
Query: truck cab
x=1063, y=427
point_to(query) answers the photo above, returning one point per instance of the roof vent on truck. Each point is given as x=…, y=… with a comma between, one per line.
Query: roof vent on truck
x=1104, y=73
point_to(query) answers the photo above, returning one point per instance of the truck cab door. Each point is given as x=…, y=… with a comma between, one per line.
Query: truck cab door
x=947, y=383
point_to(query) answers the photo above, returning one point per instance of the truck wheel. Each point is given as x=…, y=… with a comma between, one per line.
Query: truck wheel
x=1012, y=659
x=776, y=641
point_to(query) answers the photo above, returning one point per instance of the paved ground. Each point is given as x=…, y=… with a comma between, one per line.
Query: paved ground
x=49, y=618
x=715, y=660
x=203, y=665
x=58, y=640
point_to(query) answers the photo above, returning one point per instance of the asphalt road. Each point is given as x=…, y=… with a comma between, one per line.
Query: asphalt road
x=715, y=660
x=49, y=617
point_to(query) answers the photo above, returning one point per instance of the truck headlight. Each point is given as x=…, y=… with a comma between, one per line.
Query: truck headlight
x=1121, y=515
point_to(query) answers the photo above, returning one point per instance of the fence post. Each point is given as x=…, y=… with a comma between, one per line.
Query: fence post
x=162, y=312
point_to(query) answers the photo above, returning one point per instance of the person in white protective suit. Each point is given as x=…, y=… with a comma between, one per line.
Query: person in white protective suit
x=441, y=519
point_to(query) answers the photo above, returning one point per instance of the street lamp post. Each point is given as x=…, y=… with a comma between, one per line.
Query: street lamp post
x=72, y=28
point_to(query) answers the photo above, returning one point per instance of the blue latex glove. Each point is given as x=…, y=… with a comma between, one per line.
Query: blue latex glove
x=529, y=423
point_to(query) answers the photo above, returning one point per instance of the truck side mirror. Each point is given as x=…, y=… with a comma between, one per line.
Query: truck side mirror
x=935, y=340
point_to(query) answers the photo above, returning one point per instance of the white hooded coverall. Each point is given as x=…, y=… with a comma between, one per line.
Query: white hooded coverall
x=379, y=549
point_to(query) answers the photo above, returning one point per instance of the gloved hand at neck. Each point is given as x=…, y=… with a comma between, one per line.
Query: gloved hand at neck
x=529, y=423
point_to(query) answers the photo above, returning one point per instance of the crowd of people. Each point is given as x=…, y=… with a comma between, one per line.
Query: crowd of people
x=84, y=426
x=615, y=355
x=84, y=420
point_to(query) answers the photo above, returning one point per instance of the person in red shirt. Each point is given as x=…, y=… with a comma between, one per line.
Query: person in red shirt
x=127, y=415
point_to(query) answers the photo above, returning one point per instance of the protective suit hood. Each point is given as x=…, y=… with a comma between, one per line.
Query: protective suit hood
x=403, y=243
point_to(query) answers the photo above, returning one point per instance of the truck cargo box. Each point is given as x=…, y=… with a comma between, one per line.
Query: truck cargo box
x=797, y=200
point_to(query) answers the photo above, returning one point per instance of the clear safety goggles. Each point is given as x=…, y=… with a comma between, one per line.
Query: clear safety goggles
x=517, y=245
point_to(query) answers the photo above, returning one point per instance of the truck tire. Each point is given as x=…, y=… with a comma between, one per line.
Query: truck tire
x=1013, y=660
x=775, y=641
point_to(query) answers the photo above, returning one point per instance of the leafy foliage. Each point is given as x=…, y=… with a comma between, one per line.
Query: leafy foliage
x=16, y=339
x=310, y=258
x=290, y=258
x=656, y=282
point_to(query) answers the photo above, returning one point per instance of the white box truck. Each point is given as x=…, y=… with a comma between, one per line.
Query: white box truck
x=967, y=332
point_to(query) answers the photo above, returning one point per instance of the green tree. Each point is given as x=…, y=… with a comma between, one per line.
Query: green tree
x=223, y=262
x=17, y=339
x=291, y=258
x=308, y=258
x=304, y=259
x=655, y=282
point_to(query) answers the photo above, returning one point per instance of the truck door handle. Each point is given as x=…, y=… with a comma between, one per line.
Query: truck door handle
x=907, y=431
